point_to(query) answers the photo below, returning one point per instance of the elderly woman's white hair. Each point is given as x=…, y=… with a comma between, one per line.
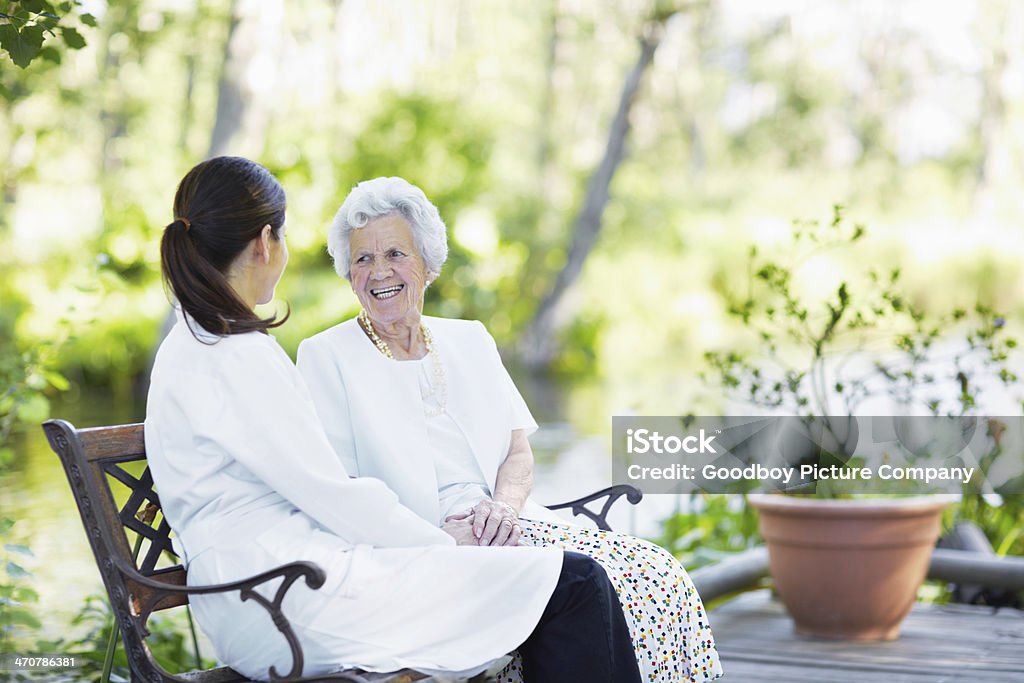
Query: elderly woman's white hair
x=382, y=197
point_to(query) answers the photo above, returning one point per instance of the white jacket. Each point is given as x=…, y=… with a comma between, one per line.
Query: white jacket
x=373, y=412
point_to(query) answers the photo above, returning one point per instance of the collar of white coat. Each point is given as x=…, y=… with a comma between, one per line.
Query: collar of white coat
x=200, y=332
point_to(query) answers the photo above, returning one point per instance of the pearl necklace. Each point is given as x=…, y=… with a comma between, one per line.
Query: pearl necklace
x=440, y=386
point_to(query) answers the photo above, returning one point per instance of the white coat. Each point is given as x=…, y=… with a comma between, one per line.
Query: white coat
x=249, y=481
x=373, y=411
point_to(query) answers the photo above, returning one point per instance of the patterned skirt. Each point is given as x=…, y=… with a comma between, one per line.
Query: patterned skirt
x=666, y=617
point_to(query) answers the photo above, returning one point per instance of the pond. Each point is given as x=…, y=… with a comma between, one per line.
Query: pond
x=573, y=459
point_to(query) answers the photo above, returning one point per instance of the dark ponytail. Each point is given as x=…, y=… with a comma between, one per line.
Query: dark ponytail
x=221, y=205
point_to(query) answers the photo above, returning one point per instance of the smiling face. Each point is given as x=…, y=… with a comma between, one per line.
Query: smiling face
x=388, y=273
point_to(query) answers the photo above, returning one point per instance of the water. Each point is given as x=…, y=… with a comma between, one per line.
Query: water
x=572, y=460
x=36, y=495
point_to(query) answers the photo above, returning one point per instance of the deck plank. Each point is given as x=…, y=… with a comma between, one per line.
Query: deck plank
x=938, y=643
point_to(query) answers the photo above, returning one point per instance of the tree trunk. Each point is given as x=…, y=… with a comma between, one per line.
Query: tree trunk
x=9, y=173
x=191, y=66
x=248, y=78
x=1000, y=31
x=688, y=102
x=547, y=101
x=539, y=345
x=113, y=98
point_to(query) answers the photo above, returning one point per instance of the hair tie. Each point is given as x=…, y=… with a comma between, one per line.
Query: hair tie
x=184, y=221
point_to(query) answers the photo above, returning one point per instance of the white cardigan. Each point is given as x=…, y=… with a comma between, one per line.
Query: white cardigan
x=249, y=481
x=373, y=412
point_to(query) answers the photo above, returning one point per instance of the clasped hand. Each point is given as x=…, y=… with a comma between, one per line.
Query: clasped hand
x=487, y=523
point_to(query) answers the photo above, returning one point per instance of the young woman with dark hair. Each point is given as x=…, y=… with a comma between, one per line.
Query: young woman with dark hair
x=249, y=481
x=220, y=207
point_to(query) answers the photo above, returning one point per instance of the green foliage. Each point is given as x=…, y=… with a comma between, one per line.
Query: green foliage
x=26, y=24
x=807, y=338
x=26, y=377
x=714, y=526
x=169, y=641
x=1000, y=518
x=813, y=344
x=19, y=625
x=581, y=341
x=28, y=374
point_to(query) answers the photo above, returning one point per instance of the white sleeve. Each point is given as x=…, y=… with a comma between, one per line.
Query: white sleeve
x=519, y=416
x=327, y=388
x=265, y=420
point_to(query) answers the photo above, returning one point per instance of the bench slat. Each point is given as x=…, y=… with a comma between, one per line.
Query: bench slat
x=123, y=442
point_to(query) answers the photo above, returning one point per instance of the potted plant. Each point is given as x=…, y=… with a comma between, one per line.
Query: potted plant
x=848, y=566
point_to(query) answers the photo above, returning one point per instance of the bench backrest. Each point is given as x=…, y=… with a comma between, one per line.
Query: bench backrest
x=94, y=460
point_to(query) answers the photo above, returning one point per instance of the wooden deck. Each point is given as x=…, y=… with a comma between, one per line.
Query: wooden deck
x=939, y=643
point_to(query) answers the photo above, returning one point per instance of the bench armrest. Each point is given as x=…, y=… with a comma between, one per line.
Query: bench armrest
x=290, y=572
x=613, y=493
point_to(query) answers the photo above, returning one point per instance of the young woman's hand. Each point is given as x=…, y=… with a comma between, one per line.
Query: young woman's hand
x=461, y=530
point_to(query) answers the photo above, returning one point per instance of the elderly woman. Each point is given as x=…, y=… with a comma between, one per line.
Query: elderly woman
x=426, y=405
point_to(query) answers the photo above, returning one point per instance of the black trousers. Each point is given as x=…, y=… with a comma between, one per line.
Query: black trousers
x=582, y=635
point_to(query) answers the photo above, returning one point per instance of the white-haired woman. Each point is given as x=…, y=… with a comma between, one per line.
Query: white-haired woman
x=426, y=405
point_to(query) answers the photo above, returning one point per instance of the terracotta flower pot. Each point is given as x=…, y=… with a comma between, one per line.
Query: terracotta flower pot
x=849, y=569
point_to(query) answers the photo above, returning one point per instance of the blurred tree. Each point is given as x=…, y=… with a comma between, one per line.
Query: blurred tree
x=539, y=345
x=248, y=79
x=1001, y=30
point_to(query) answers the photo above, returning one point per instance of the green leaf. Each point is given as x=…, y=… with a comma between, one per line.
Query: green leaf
x=22, y=618
x=5, y=525
x=24, y=594
x=35, y=6
x=88, y=19
x=34, y=409
x=35, y=381
x=73, y=38
x=50, y=54
x=56, y=380
x=18, y=548
x=22, y=46
x=16, y=571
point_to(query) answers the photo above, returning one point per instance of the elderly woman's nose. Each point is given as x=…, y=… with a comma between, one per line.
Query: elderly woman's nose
x=381, y=268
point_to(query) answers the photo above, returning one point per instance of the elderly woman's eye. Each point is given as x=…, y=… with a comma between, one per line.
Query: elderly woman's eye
x=363, y=259
x=396, y=253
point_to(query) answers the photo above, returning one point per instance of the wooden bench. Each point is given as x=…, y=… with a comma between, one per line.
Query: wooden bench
x=96, y=458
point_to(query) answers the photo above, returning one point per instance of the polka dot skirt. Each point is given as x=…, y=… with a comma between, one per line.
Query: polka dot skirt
x=671, y=634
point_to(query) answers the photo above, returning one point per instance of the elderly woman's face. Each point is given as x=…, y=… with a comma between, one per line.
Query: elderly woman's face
x=388, y=273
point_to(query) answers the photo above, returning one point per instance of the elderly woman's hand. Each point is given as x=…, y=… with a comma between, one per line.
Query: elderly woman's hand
x=496, y=523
